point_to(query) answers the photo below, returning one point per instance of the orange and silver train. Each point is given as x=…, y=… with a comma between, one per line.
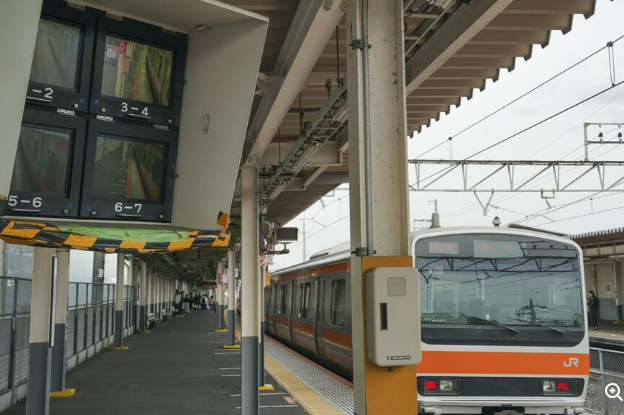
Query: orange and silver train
x=502, y=319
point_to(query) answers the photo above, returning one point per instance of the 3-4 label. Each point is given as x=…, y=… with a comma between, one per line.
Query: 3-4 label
x=126, y=108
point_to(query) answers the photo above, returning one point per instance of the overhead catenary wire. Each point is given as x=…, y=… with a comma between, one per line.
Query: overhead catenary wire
x=569, y=68
x=532, y=126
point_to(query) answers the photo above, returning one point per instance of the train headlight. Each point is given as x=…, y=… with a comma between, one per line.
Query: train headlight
x=560, y=387
x=439, y=386
x=548, y=386
x=448, y=386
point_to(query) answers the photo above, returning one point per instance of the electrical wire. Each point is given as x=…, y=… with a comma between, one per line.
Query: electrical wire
x=591, y=55
x=581, y=216
x=504, y=140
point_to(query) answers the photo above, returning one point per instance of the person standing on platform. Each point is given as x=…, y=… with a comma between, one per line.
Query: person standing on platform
x=187, y=305
x=593, y=305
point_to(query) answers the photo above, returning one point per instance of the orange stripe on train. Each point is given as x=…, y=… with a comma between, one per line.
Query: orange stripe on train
x=504, y=363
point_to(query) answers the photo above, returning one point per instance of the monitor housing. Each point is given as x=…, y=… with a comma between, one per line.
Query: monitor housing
x=219, y=63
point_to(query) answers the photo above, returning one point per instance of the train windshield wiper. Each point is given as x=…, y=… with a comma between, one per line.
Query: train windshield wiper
x=535, y=323
x=495, y=323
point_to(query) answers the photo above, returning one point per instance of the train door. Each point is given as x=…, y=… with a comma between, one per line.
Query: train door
x=293, y=310
x=320, y=315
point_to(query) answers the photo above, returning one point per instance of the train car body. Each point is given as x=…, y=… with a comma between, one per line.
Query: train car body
x=502, y=319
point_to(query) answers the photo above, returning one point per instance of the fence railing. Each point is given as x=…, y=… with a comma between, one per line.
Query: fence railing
x=90, y=320
x=607, y=367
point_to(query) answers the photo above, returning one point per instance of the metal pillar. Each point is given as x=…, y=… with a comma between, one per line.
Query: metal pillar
x=378, y=183
x=261, y=336
x=59, y=355
x=142, y=299
x=220, y=295
x=41, y=315
x=249, y=320
x=231, y=298
x=119, y=302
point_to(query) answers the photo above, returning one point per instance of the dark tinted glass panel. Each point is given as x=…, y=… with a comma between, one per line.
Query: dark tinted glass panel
x=510, y=280
x=57, y=51
x=136, y=71
x=128, y=169
x=41, y=162
x=338, y=302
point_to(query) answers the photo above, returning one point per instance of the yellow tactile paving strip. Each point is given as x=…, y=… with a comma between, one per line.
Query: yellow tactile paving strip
x=307, y=397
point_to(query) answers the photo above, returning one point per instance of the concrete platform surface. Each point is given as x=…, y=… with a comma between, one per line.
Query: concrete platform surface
x=178, y=368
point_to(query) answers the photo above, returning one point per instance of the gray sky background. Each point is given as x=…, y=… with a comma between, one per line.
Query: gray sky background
x=327, y=222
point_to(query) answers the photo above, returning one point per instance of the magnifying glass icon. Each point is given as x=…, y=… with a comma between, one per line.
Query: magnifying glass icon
x=612, y=390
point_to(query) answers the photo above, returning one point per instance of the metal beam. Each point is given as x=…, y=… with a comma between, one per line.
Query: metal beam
x=554, y=183
x=311, y=29
x=461, y=26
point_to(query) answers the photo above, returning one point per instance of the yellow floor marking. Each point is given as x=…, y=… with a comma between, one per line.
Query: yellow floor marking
x=231, y=347
x=124, y=348
x=221, y=331
x=307, y=397
x=67, y=393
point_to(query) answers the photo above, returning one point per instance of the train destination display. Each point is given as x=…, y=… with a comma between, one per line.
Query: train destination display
x=99, y=134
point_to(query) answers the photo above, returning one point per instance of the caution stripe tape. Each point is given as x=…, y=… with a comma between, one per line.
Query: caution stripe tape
x=49, y=236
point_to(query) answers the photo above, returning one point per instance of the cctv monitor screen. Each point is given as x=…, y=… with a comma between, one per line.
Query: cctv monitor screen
x=137, y=71
x=128, y=169
x=42, y=160
x=57, y=54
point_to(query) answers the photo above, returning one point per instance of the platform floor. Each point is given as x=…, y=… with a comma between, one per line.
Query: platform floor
x=608, y=332
x=179, y=368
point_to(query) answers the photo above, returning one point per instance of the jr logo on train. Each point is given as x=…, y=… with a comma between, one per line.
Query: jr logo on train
x=502, y=319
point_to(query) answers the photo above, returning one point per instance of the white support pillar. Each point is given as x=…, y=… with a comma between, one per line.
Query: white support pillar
x=59, y=355
x=231, y=299
x=383, y=228
x=41, y=315
x=142, y=297
x=249, y=320
x=220, y=296
x=119, y=302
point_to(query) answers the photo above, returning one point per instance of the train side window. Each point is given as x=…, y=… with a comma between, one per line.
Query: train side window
x=338, y=303
x=283, y=299
x=304, y=303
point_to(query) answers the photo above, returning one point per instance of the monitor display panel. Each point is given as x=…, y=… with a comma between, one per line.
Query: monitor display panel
x=42, y=161
x=137, y=71
x=57, y=54
x=60, y=73
x=129, y=172
x=48, y=165
x=128, y=169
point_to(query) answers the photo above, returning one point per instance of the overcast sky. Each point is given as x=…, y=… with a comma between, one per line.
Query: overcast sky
x=327, y=222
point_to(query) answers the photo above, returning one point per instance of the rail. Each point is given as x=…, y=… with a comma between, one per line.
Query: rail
x=90, y=325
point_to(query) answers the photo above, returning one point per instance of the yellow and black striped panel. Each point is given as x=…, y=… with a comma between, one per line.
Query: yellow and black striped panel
x=49, y=236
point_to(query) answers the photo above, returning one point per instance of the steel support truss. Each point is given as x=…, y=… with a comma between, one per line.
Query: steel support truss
x=528, y=184
x=325, y=126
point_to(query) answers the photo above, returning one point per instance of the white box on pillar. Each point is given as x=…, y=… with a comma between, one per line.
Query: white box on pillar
x=393, y=316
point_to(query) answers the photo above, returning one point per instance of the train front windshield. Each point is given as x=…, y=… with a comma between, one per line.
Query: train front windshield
x=497, y=288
